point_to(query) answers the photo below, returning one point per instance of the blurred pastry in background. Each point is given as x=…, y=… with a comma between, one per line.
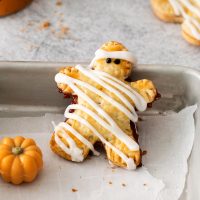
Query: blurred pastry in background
x=186, y=12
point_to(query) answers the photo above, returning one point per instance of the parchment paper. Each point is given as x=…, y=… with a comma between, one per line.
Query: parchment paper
x=167, y=139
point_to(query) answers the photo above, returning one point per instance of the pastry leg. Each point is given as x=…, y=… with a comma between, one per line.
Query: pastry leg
x=59, y=151
x=65, y=89
x=117, y=160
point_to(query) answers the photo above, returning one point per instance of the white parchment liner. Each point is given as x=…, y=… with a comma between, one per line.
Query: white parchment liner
x=168, y=141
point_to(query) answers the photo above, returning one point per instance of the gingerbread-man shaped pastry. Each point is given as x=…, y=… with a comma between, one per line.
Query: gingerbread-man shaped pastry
x=103, y=108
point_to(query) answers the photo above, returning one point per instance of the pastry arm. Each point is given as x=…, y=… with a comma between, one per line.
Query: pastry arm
x=145, y=88
x=69, y=71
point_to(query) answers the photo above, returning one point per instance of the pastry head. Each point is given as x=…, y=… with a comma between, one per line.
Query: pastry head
x=113, y=58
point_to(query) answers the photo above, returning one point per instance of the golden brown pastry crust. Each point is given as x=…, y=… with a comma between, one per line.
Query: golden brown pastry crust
x=113, y=46
x=144, y=87
x=164, y=11
x=186, y=33
x=121, y=71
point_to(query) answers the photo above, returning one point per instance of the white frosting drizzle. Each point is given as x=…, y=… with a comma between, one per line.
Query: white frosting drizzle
x=190, y=21
x=139, y=101
x=110, y=83
x=197, y=2
x=119, y=133
x=124, y=55
x=80, y=137
x=75, y=152
x=95, y=78
x=191, y=7
x=129, y=161
x=115, y=130
x=71, y=82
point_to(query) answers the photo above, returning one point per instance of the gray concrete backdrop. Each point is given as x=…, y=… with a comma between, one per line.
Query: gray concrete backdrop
x=91, y=23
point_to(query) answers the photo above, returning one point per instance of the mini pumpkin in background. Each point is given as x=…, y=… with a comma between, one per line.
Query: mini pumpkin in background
x=11, y=6
x=20, y=159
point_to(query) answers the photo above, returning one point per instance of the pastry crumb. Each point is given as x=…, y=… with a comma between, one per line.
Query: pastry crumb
x=64, y=29
x=61, y=33
x=59, y=3
x=123, y=184
x=23, y=30
x=28, y=25
x=113, y=170
x=144, y=152
x=53, y=31
x=74, y=190
x=140, y=119
x=89, y=157
x=145, y=184
x=45, y=25
x=110, y=182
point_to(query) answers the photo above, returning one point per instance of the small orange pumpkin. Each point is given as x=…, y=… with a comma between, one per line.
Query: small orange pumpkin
x=20, y=159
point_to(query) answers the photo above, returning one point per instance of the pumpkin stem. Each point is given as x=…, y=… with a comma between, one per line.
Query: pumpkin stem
x=17, y=150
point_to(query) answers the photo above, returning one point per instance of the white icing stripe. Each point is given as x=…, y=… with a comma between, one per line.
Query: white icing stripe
x=196, y=23
x=139, y=101
x=79, y=136
x=114, y=130
x=62, y=145
x=94, y=77
x=62, y=78
x=129, y=161
x=175, y=6
x=124, y=55
x=75, y=152
x=192, y=8
x=197, y=2
x=191, y=22
x=113, y=85
x=194, y=32
x=88, y=100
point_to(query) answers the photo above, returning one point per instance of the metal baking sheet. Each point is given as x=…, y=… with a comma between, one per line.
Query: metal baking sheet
x=28, y=89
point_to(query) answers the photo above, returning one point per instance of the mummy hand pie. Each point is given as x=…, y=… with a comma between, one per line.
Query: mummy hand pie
x=186, y=12
x=103, y=108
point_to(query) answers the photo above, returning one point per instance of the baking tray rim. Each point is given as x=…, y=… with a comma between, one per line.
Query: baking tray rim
x=36, y=65
x=50, y=64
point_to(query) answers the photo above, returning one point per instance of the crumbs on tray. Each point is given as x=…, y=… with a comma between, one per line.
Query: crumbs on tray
x=54, y=24
x=74, y=190
x=45, y=25
x=59, y=3
x=144, y=152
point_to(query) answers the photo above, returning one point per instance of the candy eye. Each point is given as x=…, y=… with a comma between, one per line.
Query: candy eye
x=117, y=61
x=108, y=60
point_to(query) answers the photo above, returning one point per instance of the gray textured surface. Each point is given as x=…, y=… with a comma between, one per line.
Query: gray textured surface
x=92, y=23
